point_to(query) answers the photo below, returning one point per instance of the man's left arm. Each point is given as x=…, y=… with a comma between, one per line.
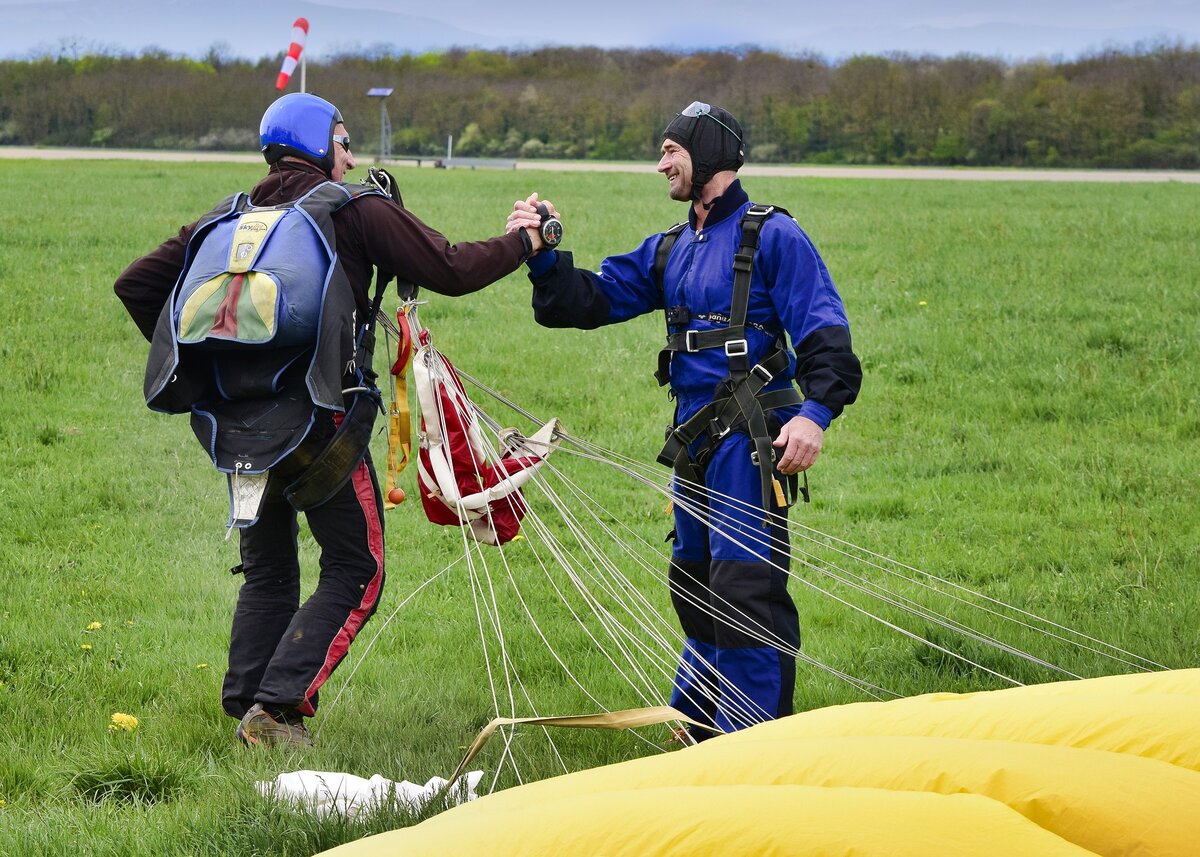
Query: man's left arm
x=828, y=372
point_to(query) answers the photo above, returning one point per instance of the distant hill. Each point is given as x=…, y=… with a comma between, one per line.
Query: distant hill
x=177, y=27
x=250, y=30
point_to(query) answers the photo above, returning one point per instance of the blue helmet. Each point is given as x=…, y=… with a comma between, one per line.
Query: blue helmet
x=302, y=125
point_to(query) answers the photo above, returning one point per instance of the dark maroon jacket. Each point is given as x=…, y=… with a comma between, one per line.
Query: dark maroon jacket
x=372, y=232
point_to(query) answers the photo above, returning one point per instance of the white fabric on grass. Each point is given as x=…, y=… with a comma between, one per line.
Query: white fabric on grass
x=327, y=793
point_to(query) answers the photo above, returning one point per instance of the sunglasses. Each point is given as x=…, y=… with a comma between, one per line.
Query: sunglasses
x=698, y=108
x=344, y=139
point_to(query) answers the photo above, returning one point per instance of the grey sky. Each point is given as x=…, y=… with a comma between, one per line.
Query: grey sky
x=1016, y=29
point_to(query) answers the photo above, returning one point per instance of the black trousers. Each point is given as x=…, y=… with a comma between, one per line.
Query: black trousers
x=282, y=652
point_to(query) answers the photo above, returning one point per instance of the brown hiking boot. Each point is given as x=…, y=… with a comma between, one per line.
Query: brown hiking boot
x=260, y=729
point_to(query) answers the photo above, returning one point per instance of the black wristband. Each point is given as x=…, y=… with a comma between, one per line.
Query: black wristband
x=526, y=243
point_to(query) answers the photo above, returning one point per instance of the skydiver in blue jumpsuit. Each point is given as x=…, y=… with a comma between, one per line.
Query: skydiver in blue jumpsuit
x=728, y=580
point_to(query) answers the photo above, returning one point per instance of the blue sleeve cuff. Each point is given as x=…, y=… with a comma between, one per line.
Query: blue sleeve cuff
x=816, y=412
x=541, y=263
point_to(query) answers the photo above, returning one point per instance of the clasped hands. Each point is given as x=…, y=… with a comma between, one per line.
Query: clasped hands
x=525, y=216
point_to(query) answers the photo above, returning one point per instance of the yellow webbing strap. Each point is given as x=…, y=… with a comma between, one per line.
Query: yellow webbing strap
x=399, y=435
x=630, y=718
x=399, y=419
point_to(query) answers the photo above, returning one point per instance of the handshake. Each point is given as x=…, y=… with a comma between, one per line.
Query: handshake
x=539, y=220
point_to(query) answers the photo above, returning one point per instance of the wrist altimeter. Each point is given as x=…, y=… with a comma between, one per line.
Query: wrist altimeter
x=551, y=228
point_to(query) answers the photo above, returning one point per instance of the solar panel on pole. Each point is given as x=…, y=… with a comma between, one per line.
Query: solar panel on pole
x=385, y=122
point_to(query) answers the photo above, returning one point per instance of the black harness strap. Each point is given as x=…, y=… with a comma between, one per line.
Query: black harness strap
x=743, y=406
x=335, y=464
x=663, y=373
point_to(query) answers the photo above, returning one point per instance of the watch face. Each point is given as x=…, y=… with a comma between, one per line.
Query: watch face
x=552, y=232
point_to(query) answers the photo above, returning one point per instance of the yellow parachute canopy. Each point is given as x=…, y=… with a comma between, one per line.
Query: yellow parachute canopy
x=1106, y=766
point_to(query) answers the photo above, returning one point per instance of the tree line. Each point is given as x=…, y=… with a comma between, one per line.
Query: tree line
x=1137, y=107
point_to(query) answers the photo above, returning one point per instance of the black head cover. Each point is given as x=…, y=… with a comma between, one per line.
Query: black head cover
x=713, y=139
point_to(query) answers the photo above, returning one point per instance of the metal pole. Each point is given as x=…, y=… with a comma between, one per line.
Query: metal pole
x=303, y=67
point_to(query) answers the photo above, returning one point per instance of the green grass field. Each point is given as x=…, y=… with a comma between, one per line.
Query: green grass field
x=1029, y=427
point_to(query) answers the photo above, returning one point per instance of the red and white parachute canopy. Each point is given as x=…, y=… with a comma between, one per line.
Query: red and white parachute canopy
x=299, y=35
x=461, y=484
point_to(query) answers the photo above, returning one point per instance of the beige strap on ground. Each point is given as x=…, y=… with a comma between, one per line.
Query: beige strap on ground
x=630, y=718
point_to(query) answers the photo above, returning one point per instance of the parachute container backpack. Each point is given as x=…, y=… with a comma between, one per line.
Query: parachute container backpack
x=257, y=297
x=257, y=335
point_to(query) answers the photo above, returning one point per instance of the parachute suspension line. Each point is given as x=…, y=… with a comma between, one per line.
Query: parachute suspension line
x=664, y=655
x=472, y=553
x=865, y=687
x=458, y=405
x=704, y=513
x=607, y=619
x=587, y=502
x=617, y=633
x=889, y=596
x=919, y=578
x=622, y=588
x=703, y=681
x=699, y=511
x=624, y=584
x=487, y=603
x=564, y=560
x=1098, y=647
x=488, y=616
x=873, y=589
x=380, y=628
x=599, y=581
x=864, y=586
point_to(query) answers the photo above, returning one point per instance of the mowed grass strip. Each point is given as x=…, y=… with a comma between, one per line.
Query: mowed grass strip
x=1029, y=427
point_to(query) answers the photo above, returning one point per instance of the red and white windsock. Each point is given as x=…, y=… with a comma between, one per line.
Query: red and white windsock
x=299, y=34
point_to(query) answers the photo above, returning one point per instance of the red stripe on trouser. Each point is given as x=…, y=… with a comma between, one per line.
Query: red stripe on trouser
x=365, y=492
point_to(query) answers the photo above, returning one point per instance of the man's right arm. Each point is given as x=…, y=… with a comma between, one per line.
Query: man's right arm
x=563, y=295
x=623, y=288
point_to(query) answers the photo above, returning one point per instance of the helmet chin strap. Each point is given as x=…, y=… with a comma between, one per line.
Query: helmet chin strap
x=698, y=189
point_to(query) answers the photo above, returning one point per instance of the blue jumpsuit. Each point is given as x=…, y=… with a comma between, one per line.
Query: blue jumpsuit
x=728, y=581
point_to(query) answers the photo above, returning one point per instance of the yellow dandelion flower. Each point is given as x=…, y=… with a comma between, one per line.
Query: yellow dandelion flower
x=128, y=623
x=123, y=722
x=94, y=626
x=201, y=666
x=922, y=303
x=2, y=803
x=87, y=647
